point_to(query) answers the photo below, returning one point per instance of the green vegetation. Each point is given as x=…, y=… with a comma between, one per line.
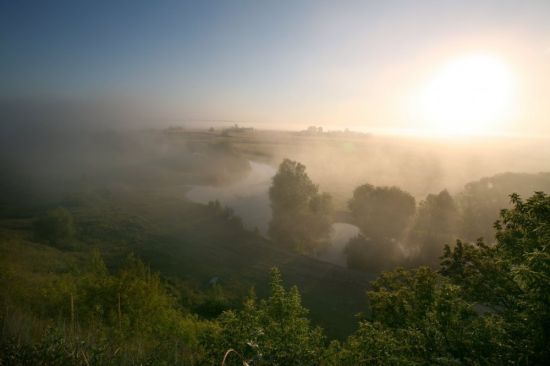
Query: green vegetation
x=119, y=268
x=56, y=227
x=480, y=201
x=86, y=315
x=512, y=277
x=435, y=224
x=301, y=215
x=439, y=220
x=486, y=305
x=381, y=212
x=272, y=331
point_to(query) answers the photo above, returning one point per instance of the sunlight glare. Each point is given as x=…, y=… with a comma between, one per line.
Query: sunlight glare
x=470, y=95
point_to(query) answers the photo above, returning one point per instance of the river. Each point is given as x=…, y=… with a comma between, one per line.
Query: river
x=249, y=199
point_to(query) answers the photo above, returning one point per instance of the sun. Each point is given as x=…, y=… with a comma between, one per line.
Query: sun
x=469, y=95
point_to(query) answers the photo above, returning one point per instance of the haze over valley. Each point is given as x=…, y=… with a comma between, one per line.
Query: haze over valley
x=275, y=183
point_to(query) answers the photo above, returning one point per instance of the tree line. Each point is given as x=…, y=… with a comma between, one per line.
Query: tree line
x=394, y=229
x=484, y=305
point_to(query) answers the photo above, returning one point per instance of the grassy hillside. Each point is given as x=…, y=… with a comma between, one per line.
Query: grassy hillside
x=193, y=243
x=206, y=244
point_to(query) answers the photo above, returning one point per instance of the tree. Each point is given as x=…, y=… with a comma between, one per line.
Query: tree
x=371, y=255
x=435, y=224
x=481, y=201
x=374, y=344
x=512, y=277
x=381, y=212
x=419, y=318
x=272, y=331
x=301, y=215
x=56, y=227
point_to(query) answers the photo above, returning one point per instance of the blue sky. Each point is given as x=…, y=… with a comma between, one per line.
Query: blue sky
x=273, y=61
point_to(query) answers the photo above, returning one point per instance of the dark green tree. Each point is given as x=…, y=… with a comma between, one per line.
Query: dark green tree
x=512, y=277
x=372, y=255
x=272, y=331
x=481, y=201
x=56, y=227
x=435, y=224
x=301, y=215
x=419, y=318
x=381, y=212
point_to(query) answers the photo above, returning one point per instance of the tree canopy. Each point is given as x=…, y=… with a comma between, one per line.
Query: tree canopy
x=301, y=217
x=435, y=224
x=272, y=331
x=512, y=277
x=381, y=212
x=382, y=215
x=56, y=227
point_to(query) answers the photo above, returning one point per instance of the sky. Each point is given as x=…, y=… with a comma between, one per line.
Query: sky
x=357, y=64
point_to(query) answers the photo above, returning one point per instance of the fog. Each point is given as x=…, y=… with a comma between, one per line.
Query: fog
x=50, y=153
x=248, y=196
x=296, y=182
x=419, y=165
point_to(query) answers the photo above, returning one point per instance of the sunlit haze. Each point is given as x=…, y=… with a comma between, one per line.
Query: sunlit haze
x=448, y=68
x=275, y=182
x=468, y=95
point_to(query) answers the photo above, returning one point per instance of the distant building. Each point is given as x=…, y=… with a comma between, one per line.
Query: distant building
x=236, y=129
x=314, y=130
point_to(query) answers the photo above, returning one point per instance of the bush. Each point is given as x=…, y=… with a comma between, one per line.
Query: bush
x=56, y=227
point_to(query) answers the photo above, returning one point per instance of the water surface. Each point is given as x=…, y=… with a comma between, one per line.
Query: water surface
x=249, y=197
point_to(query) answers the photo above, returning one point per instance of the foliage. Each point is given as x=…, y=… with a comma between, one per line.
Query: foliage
x=56, y=227
x=381, y=212
x=375, y=344
x=54, y=349
x=512, y=278
x=301, y=215
x=226, y=213
x=89, y=316
x=481, y=201
x=487, y=305
x=371, y=255
x=213, y=302
x=418, y=317
x=272, y=331
x=435, y=224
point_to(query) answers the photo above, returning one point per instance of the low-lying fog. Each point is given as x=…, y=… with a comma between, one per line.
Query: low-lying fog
x=235, y=167
x=249, y=198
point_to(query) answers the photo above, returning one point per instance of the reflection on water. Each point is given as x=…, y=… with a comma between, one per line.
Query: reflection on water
x=250, y=199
